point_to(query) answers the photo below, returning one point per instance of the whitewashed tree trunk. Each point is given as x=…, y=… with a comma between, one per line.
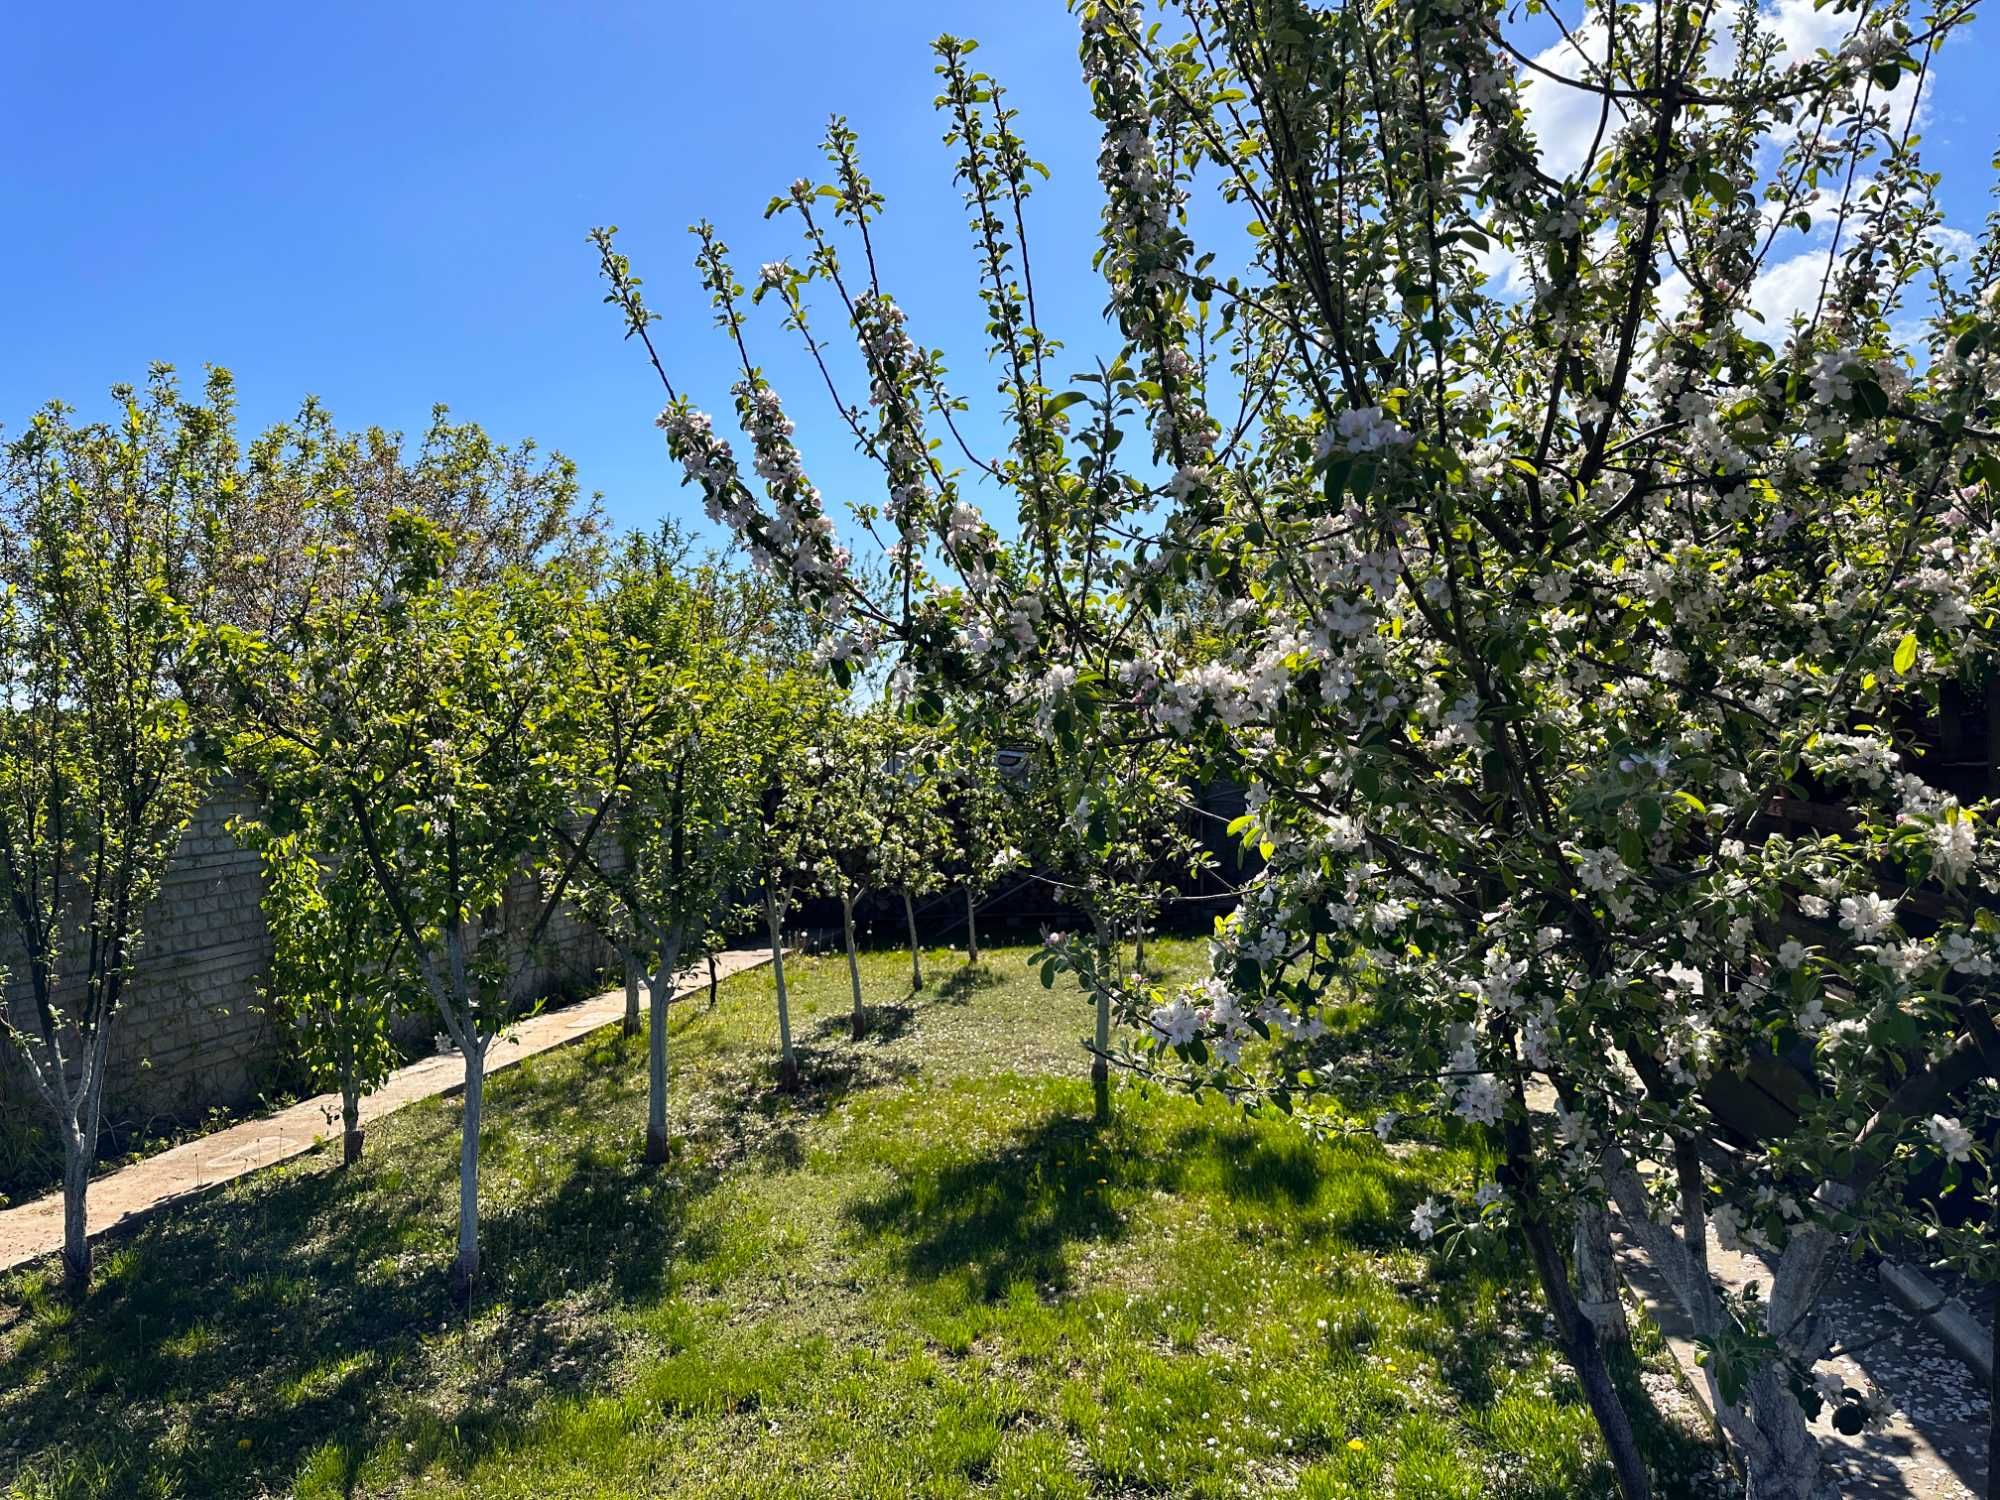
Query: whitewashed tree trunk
x=1780, y=1455
x=916, y=947
x=971, y=928
x=80, y=1122
x=631, y=953
x=853, y=966
x=465, y=1273
x=788, y=1064
x=656, y=1050
x=1100, y=1066
x=76, y=1223
x=1597, y=1296
x=350, y=1122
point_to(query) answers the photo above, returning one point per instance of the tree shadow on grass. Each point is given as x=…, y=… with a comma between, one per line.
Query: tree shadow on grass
x=745, y=1114
x=1010, y=1215
x=258, y=1326
x=1259, y=1167
x=885, y=1024
x=1476, y=1364
x=963, y=983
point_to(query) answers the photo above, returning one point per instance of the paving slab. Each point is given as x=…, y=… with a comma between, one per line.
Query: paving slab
x=35, y=1228
x=1933, y=1446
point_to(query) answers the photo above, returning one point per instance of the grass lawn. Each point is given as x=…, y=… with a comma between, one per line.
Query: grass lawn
x=925, y=1274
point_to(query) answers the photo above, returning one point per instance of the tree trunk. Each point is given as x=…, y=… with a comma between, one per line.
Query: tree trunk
x=77, y=1153
x=1139, y=949
x=916, y=948
x=1780, y=1454
x=1993, y=1375
x=631, y=989
x=853, y=967
x=971, y=929
x=1993, y=1406
x=712, y=978
x=1598, y=1297
x=1586, y=1357
x=350, y=1123
x=788, y=1064
x=656, y=1054
x=1100, y=1064
x=465, y=1273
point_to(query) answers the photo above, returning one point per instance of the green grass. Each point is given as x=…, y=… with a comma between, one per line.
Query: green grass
x=927, y=1273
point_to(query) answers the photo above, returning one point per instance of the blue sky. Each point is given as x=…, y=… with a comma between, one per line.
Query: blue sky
x=386, y=205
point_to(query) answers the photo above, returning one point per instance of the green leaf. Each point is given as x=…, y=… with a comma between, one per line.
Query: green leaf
x=1906, y=652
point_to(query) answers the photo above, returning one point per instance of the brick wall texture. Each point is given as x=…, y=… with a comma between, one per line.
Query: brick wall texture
x=191, y=1034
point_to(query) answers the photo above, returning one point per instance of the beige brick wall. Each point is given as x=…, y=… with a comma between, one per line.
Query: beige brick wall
x=190, y=1034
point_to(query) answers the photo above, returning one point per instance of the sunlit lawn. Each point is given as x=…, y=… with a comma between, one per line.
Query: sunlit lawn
x=928, y=1273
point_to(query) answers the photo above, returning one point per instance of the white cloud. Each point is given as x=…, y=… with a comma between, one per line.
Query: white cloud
x=1787, y=289
x=1803, y=29
x=1563, y=117
x=1953, y=241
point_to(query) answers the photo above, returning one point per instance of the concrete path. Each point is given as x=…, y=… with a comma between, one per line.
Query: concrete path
x=36, y=1229
x=1934, y=1444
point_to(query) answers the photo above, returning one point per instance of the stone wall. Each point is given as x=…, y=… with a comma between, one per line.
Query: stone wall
x=190, y=1033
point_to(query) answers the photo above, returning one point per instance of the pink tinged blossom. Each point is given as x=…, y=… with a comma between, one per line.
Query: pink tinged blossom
x=1177, y=1023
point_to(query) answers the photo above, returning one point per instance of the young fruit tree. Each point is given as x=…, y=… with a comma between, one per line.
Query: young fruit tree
x=335, y=985
x=984, y=813
x=844, y=840
x=1583, y=549
x=416, y=721
x=790, y=720
x=1109, y=831
x=916, y=835
x=102, y=533
x=919, y=845
x=654, y=742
